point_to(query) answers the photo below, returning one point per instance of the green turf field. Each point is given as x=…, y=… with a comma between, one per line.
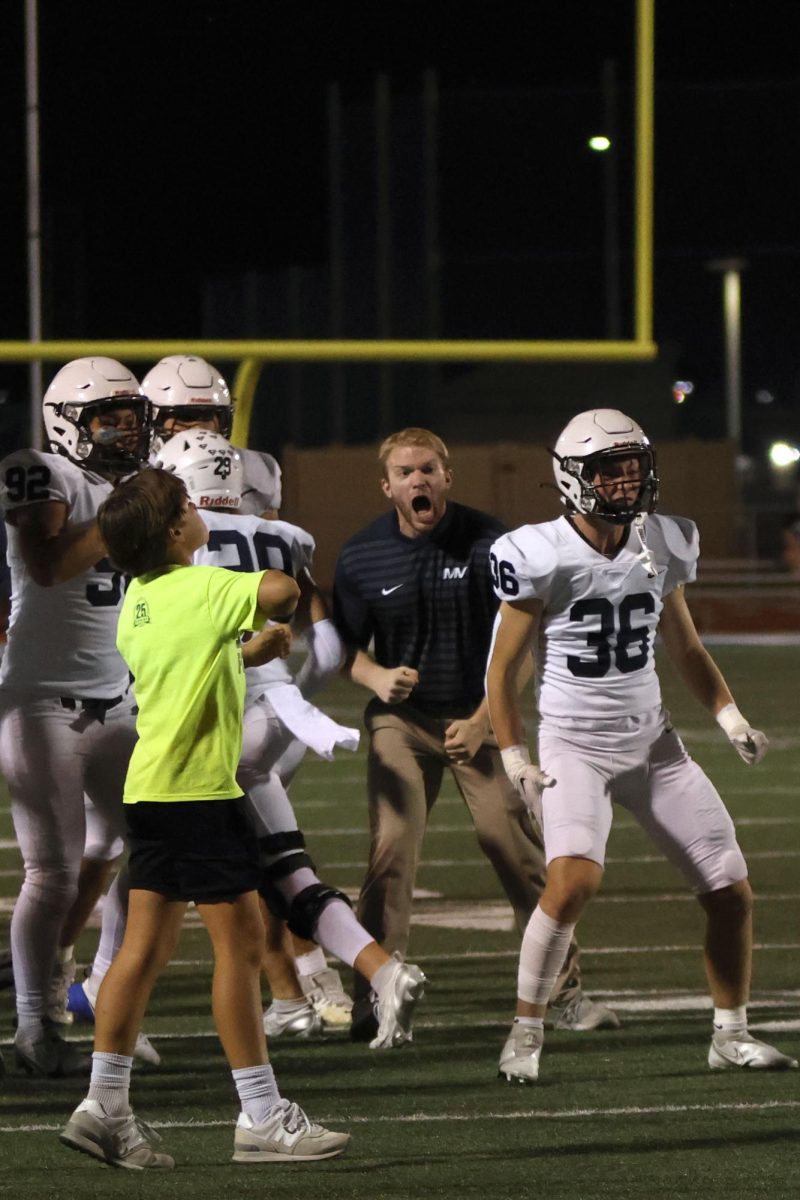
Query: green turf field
x=629, y=1113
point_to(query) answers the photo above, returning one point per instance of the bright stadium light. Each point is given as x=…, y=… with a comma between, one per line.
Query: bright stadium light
x=783, y=454
x=599, y=143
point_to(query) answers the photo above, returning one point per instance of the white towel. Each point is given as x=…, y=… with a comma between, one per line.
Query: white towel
x=308, y=724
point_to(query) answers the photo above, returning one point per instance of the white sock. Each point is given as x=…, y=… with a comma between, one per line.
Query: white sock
x=383, y=976
x=340, y=933
x=110, y=1082
x=35, y=930
x=730, y=1020
x=112, y=931
x=544, y=947
x=258, y=1091
x=290, y=1006
x=309, y=964
x=337, y=929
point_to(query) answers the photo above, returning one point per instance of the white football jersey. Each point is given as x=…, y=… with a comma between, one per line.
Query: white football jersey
x=595, y=654
x=261, y=485
x=248, y=543
x=61, y=639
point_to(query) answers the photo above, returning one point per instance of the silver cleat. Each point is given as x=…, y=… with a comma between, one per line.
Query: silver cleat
x=45, y=1053
x=743, y=1050
x=396, y=1005
x=519, y=1059
x=581, y=1014
x=325, y=991
x=300, y=1023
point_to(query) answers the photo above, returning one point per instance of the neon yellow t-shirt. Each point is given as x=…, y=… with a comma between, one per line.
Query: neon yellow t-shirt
x=178, y=632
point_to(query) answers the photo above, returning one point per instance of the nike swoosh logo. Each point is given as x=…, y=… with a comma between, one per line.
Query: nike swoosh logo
x=388, y=591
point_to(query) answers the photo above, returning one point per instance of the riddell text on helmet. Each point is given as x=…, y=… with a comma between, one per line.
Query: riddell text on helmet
x=218, y=502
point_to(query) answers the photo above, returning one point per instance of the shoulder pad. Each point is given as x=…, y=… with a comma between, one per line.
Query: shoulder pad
x=681, y=542
x=29, y=476
x=526, y=561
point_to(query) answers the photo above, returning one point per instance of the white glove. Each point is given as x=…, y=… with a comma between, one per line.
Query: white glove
x=750, y=744
x=529, y=780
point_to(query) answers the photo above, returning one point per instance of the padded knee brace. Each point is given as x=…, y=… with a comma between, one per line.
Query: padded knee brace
x=281, y=854
x=307, y=905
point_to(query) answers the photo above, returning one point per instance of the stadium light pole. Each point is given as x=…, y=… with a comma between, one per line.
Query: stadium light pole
x=606, y=146
x=731, y=271
x=34, y=223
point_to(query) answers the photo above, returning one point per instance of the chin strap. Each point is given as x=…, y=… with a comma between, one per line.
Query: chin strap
x=645, y=556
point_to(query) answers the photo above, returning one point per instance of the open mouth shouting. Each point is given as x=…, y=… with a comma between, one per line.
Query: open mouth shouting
x=421, y=504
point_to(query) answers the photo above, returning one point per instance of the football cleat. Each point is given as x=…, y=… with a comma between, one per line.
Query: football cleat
x=302, y=1022
x=741, y=1049
x=286, y=1135
x=396, y=1005
x=57, y=993
x=81, y=1007
x=79, y=1004
x=581, y=1014
x=519, y=1059
x=45, y=1053
x=145, y=1051
x=328, y=998
x=119, y=1141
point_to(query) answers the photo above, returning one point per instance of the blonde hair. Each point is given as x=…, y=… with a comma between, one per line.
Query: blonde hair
x=413, y=436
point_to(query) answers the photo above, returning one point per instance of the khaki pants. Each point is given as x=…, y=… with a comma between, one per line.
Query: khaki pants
x=405, y=766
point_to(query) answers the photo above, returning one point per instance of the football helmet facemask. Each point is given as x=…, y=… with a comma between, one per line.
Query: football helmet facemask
x=208, y=464
x=103, y=392
x=185, y=389
x=588, y=462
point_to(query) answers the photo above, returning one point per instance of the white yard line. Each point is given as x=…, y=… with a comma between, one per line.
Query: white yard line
x=525, y=1114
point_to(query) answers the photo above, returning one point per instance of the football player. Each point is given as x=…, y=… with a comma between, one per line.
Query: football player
x=188, y=393
x=66, y=709
x=587, y=593
x=276, y=712
x=212, y=471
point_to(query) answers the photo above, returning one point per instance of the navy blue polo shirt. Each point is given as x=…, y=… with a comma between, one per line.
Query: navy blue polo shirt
x=427, y=601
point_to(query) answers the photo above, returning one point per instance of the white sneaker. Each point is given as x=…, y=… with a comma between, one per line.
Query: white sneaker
x=396, y=1005
x=300, y=1022
x=328, y=998
x=119, y=1141
x=287, y=1135
x=60, y=982
x=741, y=1049
x=519, y=1059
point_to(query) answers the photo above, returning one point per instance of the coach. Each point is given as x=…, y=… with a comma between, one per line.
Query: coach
x=416, y=583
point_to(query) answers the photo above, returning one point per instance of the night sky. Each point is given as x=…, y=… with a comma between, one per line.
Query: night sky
x=184, y=147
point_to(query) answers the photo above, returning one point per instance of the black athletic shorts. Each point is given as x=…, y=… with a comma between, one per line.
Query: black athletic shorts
x=201, y=850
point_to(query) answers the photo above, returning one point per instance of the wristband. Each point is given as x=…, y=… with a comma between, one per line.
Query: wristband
x=731, y=720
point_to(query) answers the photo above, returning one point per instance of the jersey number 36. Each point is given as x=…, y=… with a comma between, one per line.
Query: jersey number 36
x=632, y=644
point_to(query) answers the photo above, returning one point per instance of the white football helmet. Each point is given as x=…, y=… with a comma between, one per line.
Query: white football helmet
x=187, y=389
x=590, y=441
x=208, y=464
x=95, y=387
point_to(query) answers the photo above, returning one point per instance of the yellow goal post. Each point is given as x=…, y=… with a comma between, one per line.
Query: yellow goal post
x=251, y=354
